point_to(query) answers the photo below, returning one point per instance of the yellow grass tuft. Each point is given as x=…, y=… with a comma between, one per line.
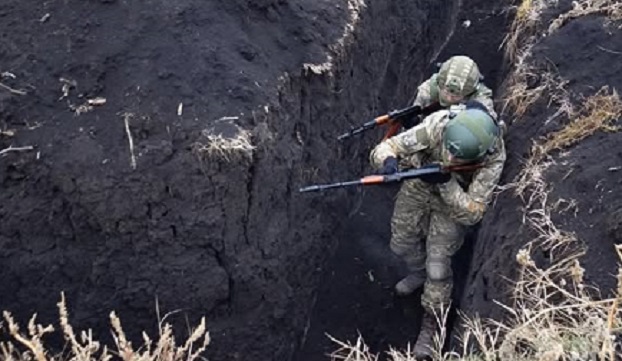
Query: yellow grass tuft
x=83, y=347
x=229, y=149
x=523, y=10
x=599, y=112
x=611, y=9
x=519, y=96
x=523, y=26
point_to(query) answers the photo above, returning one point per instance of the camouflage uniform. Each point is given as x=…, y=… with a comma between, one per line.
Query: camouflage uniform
x=438, y=212
x=428, y=93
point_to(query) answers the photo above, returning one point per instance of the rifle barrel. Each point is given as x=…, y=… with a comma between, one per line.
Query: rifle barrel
x=378, y=178
x=321, y=187
x=395, y=177
x=362, y=128
x=392, y=116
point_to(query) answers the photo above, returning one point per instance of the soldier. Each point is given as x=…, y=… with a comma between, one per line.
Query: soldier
x=431, y=215
x=457, y=81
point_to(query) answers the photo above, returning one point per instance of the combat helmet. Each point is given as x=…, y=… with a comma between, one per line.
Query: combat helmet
x=459, y=76
x=470, y=135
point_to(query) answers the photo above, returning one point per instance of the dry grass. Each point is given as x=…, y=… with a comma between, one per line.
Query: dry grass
x=531, y=187
x=522, y=29
x=528, y=16
x=599, y=112
x=229, y=149
x=553, y=317
x=29, y=345
x=611, y=9
x=520, y=95
x=360, y=352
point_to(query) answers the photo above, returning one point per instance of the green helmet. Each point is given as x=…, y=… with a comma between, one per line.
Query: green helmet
x=459, y=76
x=470, y=135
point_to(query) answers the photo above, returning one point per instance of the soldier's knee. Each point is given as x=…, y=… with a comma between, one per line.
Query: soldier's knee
x=399, y=248
x=438, y=268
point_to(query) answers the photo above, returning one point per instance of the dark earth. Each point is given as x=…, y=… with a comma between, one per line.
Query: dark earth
x=225, y=237
x=230, y=237
x=585, y=52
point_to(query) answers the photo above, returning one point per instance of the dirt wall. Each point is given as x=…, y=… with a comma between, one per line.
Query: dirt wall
x=582, y=180
x=218, y=234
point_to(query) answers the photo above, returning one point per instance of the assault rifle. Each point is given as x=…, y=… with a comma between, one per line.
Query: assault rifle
x=395, y=118
x=430, y=173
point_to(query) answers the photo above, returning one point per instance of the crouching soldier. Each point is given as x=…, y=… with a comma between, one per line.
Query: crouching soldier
x=457, y=81
x=431, y=215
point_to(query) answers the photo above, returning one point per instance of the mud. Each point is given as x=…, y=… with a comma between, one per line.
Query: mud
x=196, y=234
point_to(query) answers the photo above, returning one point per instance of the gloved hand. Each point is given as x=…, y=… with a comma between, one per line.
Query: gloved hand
x=389, y=166
x=410, y=122
x=436, y=178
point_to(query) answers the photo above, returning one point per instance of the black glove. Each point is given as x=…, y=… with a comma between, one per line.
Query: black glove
x=409, y=122
x=389, y=166
x=436, y=178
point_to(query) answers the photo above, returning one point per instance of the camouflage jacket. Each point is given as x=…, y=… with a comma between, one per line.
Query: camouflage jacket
x=467, y=194
x=428, y=93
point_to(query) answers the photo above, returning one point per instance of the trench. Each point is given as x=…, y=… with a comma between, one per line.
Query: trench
x=355, y=297
x=272, y=270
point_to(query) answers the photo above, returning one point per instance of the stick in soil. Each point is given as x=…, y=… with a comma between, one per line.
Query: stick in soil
x=126, y=118
x=13, y=91
x=16, y=149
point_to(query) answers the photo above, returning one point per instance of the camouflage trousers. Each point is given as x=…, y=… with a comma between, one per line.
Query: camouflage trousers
x=425, y=237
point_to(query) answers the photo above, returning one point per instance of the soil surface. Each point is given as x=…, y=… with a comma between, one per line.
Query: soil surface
x=183, y=230
x=585, y=52
x=221, y=235
x=227, y=235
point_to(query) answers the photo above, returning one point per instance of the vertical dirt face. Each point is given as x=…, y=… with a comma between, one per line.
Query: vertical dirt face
x=583, y=181
x=226, y=237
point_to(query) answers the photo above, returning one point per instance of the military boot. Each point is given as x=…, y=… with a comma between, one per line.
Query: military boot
x=425, y=341
x=410, y=283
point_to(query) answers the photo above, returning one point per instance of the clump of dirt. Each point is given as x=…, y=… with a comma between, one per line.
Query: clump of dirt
x=577, y=183
x=168, y=142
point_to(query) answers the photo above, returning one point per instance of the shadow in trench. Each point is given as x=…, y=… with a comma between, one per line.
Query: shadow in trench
x=356, y=294
x=356, y=291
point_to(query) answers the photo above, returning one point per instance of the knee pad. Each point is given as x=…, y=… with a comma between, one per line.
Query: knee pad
x=438, y=268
